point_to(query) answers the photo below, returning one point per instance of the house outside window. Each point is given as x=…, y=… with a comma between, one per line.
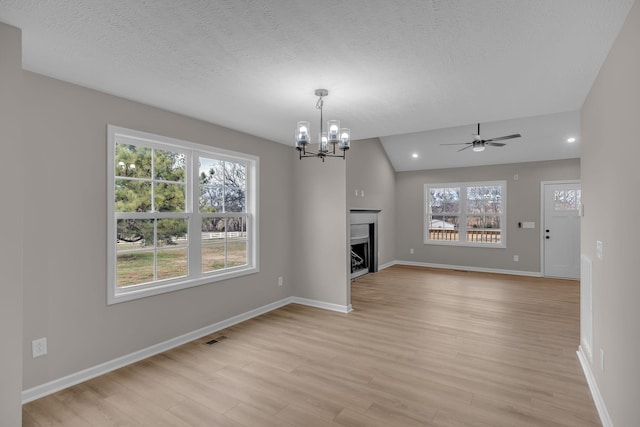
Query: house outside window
x=466, y=214
x=180, y=214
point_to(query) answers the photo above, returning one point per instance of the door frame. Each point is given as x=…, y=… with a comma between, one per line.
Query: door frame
x=542, y=215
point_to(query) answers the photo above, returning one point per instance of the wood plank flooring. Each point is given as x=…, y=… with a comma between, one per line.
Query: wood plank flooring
x=423, y=347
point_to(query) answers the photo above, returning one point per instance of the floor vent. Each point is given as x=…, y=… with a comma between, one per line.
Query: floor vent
x=215, y=340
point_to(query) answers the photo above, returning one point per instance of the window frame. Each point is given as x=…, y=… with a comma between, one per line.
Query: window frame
x=195, y=276
x=462, y=215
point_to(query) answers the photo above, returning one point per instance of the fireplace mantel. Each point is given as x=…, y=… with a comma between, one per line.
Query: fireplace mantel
x=364, y=216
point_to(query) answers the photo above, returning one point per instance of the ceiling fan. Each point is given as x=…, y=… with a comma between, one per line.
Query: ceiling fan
x=479, y=144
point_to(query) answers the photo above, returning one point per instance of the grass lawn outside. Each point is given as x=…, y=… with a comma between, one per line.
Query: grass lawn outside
x=137, y=267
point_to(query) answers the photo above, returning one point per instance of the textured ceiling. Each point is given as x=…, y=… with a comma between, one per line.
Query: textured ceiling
x=392, y=67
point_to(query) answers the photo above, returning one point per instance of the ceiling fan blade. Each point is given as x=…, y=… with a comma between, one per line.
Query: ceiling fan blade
x=468, y=146
x=459, y=143
x=496, y=144
x=501, y=138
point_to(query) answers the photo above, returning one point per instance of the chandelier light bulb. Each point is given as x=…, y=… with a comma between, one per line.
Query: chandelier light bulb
x=334, y=128
x=302, y=134
x=345, y=139
x=324, y=142
x=478, y=148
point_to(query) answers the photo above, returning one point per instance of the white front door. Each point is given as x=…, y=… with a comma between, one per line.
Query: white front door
x=561, y=230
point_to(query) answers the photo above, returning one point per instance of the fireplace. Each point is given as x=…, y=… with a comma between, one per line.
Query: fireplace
x=360, y=250
x=364, y=242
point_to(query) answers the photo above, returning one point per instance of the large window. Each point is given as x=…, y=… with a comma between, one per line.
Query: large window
x=180, y=214
x=471, y=214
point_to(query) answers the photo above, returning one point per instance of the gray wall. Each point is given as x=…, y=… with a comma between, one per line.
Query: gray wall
x=369, y=170
x=610, y=181
x=65, y=232
x=320, y=230
x=11, y=215
x=523, y=204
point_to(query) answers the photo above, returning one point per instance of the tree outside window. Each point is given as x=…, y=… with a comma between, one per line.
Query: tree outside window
x=172, y=226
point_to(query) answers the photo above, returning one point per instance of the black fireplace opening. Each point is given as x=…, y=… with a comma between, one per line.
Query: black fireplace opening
x=359, y=258
x=363, y=243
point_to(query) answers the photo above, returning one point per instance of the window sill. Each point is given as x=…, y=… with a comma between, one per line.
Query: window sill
x=121, y=295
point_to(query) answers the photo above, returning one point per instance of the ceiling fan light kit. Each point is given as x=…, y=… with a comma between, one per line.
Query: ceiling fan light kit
x=328, y=140
x=478, y=144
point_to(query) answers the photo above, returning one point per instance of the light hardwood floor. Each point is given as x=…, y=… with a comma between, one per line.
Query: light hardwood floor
x=422, y=347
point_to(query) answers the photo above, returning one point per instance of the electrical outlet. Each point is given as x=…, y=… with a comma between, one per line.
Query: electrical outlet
x=280, y=281
x=39, y=347
x=411, y=251
x=516, y=258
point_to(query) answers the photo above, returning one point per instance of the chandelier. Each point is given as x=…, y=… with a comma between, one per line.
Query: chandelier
x=328, y=140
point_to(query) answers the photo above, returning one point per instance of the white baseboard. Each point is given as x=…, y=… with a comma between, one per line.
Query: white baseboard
x=86, y=374
x=324, y=305
x=468, y=268
x=386, y=265
x=593, y=386
x=76, y=378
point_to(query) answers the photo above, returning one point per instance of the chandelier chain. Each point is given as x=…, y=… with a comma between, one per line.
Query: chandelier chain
x=319, y=106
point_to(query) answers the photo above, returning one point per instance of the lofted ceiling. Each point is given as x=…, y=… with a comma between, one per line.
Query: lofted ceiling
x=416, y=73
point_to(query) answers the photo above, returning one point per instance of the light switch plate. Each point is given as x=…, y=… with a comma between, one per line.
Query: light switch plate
x=599, y=249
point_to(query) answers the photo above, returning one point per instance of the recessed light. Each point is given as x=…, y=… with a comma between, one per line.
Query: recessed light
x=572, y=139
x=414, y=155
